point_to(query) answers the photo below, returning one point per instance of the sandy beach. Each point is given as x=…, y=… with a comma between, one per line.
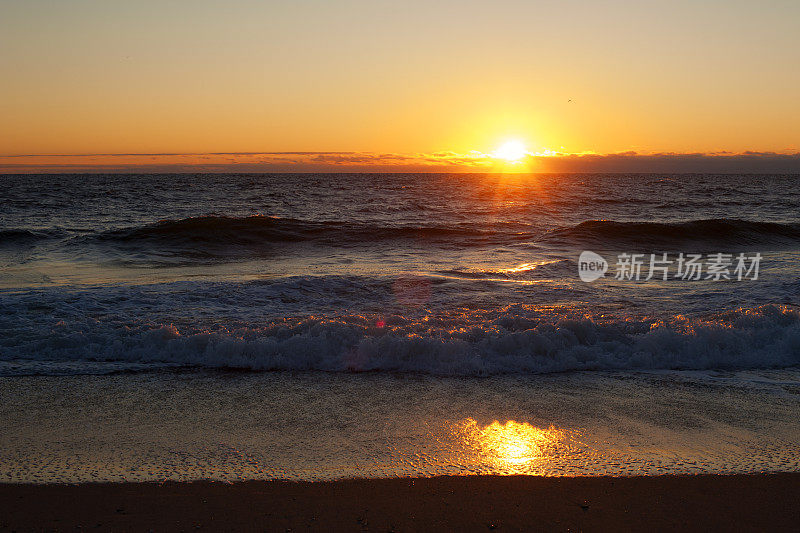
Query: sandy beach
x=464, y=503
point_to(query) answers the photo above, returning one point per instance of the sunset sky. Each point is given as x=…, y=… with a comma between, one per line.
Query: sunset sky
x=357, y=84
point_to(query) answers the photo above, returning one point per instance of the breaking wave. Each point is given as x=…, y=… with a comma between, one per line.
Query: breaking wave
x=517, y=340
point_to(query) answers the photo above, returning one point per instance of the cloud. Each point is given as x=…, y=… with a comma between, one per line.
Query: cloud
x=444, y=161
x=747, y=162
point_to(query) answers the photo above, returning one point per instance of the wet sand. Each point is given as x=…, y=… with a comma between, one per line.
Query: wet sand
x=473, y=503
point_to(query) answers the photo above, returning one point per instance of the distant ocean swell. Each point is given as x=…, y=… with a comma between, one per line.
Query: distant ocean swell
x=222, y=236
x=517, y=339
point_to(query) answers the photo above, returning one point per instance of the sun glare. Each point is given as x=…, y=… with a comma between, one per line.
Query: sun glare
x=511, y=151
x=513, y=443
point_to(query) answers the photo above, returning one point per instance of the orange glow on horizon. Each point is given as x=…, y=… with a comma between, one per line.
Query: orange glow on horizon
x=291, y=76
x=545, y=160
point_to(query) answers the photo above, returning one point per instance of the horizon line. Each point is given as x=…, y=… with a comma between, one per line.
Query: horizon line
x=547, y=162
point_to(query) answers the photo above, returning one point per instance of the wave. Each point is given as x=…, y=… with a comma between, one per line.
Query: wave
x=527, y=271
x=261, y=230
x=23, y=237
x=210, y=232
x=222, y=237
x=696, y=233
x=518, y=340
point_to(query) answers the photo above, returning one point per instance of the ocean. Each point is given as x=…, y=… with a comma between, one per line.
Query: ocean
x=328, y=326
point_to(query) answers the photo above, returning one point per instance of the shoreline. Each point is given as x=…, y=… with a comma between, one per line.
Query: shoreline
x=473, y=503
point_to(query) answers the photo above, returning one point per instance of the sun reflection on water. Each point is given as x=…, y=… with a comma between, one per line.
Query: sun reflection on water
x=513, y=444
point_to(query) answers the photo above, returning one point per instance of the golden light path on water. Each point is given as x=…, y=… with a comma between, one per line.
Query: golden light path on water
x=512, y=443
x=512, y=447
x=307, y=427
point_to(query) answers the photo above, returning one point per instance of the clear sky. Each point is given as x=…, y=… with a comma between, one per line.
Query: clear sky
x=412, y=77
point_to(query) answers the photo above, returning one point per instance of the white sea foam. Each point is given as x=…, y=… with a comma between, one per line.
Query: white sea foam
x=514, y=339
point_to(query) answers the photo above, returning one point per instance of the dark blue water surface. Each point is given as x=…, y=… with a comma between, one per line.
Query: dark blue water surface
x=440, y=274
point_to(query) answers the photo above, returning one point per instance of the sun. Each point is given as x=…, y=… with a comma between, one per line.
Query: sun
x=511, y=151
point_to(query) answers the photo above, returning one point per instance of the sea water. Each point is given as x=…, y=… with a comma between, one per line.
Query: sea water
x=320, y=326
